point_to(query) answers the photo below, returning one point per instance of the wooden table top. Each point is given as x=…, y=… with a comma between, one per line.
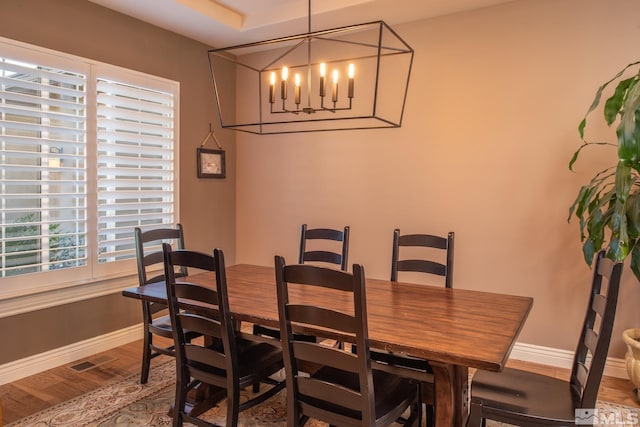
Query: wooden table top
x=453, y=326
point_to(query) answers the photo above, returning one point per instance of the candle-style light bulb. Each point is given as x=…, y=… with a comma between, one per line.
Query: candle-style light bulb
x=352, y=71
x=283, y=84
x=272, y=88
x=323, y=73
x=334, y=92
x=297, y=89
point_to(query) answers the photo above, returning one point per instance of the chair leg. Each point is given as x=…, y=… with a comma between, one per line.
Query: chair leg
x=179, y=403
x=146, y=357
x=475, y=416
x=294, y=419
x=233, y=407
x=416, y=413
x=430, y=415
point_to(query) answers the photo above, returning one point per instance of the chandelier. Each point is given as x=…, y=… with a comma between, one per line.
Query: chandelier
x=353, y=77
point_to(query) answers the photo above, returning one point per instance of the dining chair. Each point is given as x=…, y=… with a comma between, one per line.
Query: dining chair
x=320, y=254
x=430, y=267
x=525, y=398
x=342, y=390
x=149, y=260
x=236, y=364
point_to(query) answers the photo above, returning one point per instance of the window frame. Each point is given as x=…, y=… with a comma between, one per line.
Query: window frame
x=31, y=291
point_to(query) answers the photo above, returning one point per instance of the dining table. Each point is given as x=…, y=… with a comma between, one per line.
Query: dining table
x=454, y=329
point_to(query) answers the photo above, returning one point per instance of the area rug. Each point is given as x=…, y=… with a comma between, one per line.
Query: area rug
x=129, y=403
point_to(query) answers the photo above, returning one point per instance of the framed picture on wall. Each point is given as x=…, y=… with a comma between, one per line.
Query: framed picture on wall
x=211, y=163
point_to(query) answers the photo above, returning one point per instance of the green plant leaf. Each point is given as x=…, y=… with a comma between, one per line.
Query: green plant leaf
x=635, y=260
x=619, y=241
x=633, y=215
x=613, y=105
x=574, y=158
x=627, y=130
x=588, y=251
x=596, y=99
x=623, y=181
x=608, y=207
x=586, y=192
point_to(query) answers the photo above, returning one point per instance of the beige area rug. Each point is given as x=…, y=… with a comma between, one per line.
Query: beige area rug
x=128, y=403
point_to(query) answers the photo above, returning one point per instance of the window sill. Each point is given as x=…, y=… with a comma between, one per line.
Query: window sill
x=12, y=306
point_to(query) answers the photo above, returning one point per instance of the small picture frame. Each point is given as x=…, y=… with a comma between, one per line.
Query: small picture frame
x=211, y=163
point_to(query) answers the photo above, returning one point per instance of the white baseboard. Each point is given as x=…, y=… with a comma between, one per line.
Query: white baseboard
x=562, y=359
x=17, y=369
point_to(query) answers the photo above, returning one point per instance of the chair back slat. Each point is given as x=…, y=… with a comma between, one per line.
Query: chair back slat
x=157, y=234
x=428, y=266
x=321, y=277
x=599, y=304
x=322, y=317
x=199, y=355
x=582, y=373
x=422, y=266
x=188, y=290
x=323, y=355
x=591, y=341
x=338, y=257
x=325, y=234
x=596, y=331
x=312, y=389
x=204, y=325
x=323, y=256
x=426, y=240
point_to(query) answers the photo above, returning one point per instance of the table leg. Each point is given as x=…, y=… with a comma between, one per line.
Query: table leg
x=451, y=394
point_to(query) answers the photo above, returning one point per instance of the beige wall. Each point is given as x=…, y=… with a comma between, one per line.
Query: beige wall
x=207, y=206
x=494, y=102
x=491, y=123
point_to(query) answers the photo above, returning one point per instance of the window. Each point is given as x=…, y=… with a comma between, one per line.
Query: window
x=87, y=153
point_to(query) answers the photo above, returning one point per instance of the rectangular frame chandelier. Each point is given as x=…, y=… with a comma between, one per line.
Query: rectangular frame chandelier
x=353, y=77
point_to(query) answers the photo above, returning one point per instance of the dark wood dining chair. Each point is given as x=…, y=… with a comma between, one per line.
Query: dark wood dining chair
x=236, y=364
x=342, y=390
x=321, y=255
x=150, y=270
x=525, y=398
x=430, y=267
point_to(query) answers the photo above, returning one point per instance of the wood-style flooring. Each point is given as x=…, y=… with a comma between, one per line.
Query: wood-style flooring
x=37, y=392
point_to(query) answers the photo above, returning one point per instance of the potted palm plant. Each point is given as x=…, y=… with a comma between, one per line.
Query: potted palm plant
x=608, y=207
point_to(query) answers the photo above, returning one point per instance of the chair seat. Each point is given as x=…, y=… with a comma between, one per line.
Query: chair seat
x=161, y=326
x=256, y=359
x=521, y=396
x=390, y=391
x=403, y=361
x=275, y=333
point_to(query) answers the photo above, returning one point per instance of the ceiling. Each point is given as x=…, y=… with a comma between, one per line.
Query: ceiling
x=222, y=23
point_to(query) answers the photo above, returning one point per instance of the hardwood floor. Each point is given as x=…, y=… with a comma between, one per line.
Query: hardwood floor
x=35, y=393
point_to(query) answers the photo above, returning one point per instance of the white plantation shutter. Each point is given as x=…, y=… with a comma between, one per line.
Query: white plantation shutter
x=88, y=151
x=135, y=164
x=43, y=168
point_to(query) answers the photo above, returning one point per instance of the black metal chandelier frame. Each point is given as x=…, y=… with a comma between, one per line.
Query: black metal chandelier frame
x=260, y=126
